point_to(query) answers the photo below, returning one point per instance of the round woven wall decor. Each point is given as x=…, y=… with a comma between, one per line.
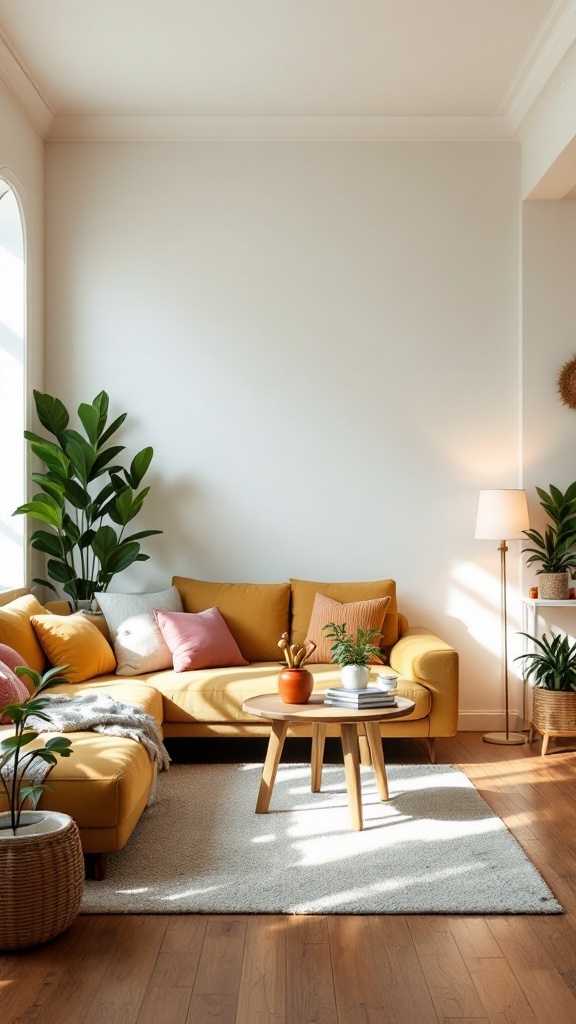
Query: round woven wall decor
x=567, y=383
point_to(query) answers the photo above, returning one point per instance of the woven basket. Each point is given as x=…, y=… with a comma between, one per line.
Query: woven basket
x=553, y=586
x=554, y=711
x=41, y=885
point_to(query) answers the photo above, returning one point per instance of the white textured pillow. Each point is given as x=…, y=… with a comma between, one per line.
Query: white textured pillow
x=138, y=643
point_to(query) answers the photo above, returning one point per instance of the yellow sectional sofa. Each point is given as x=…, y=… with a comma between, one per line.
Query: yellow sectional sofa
x=106, y=782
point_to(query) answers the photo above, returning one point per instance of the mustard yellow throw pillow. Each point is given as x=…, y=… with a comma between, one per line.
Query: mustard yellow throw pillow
x=16, y=630
x=74, y=640
x=364, y=615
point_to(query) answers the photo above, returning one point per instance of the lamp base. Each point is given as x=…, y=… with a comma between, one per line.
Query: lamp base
x=506, y=740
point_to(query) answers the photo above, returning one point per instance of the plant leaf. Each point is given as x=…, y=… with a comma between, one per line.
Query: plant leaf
x=51, y=412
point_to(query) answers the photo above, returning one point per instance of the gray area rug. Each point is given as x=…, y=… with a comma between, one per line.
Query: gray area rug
x=435, y=848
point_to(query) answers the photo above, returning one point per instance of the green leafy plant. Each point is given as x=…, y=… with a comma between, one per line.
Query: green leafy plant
x=82, y=492
x=14, y=784
x=555, y=549
x=348, y=649
x=553, y=664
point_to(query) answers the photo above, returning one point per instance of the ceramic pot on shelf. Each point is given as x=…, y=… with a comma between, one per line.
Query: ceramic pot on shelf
x=295, y=685
x=354, y=677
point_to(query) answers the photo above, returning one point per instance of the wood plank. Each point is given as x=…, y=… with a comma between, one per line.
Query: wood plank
x=550, y=997
x=450, y=984
x=72, y=967
x=405, y=994
x=215, y=992
x=309, y=981
x=169, y=990
x=473, y=937
x=262, y=993
x=121, y=991
x=502, y=997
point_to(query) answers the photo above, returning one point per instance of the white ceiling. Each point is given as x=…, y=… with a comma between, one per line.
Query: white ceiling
x=401, y=59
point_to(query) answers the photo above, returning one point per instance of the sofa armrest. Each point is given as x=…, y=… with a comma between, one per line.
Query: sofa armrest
x=421, y=656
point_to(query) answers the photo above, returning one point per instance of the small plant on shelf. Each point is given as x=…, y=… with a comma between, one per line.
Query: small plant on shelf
x=555, y=549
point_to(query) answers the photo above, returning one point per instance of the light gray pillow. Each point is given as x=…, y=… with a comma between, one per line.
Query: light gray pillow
x=138, y=643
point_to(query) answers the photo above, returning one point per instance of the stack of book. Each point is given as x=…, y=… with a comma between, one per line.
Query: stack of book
x=357, y=700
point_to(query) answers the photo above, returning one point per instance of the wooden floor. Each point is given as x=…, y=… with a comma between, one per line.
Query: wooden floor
x=335, y=970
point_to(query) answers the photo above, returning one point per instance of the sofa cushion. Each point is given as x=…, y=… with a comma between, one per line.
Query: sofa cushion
x=256, y=613
x=75, y=641
x=304, y=592
x=131, y=691
x=103, y=785
x=216, y=695
x=356, y=615
x=199, y=640
x=138, y=642
x=16, y=630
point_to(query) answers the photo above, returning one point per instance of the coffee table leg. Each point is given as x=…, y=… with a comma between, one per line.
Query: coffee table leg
x=318, y=739
x=349, y=734
x=375, y=743
x=365, y=758
x=273, y=755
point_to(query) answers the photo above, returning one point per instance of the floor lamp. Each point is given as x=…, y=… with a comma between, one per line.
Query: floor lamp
x=503, y=514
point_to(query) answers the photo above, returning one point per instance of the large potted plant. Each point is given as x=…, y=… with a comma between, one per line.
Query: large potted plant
x=552, y=669
x=555, y=549
x=353, y=653
x=41, y=859
x=86, y=498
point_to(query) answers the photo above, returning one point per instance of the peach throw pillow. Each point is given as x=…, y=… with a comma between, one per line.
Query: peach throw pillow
x=357, y=615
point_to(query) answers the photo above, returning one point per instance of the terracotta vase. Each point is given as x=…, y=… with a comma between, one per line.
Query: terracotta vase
x=295, y=685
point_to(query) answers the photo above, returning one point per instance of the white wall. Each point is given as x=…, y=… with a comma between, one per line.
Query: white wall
x=22, y=165
x=549, y=328
x=321, y=341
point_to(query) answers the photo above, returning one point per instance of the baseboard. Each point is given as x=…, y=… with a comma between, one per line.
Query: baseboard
x=489, y=721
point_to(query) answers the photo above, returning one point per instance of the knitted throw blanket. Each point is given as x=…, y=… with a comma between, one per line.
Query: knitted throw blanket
x=98, y=712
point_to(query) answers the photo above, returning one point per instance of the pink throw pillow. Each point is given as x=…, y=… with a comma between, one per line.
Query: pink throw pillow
x=199, y=640
x=12, y=691
x=10, y=657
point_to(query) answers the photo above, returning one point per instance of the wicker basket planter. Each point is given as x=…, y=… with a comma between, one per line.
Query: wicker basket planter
x=553, y=714
x=553, y=586
x=41, y=880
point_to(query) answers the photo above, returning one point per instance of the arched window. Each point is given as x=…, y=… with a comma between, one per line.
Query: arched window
x=12, y=395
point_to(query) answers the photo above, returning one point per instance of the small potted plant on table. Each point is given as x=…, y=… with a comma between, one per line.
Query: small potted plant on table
x=555, y=549
x=552, y=666
x=353, y=653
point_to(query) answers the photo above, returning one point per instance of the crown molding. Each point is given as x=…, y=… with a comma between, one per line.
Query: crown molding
x=68, y=128
x=22, y=88
x=543, y=69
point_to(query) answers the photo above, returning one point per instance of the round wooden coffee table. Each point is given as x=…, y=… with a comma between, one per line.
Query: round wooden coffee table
x=319, y=714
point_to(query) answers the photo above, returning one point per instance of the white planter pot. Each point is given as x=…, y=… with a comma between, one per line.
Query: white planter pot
x=33, y=823
x=354, y=677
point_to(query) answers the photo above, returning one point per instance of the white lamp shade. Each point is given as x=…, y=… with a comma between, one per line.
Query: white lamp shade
x=502, y=515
